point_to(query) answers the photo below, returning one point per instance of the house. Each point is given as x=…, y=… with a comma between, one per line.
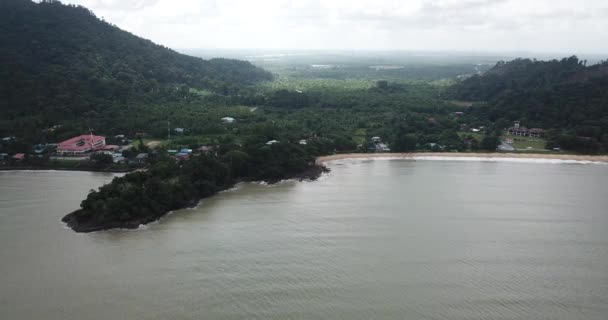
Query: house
x=517, y=130
x=8, y=139
x=475, y=130
x=119, y=136
x=378, y=146
x=205, y=149
x=303, y=142
x=228, y=120
x=3, y=156
x=141, y=158
x=271, y=142
x=382, y=147
x=118, y=159
x=435, y=146
x=40, y=148
x=186, y=151
x=81, y=145
x=108, y=149
x=179, y=130
x=182, y=156
x=19, y=156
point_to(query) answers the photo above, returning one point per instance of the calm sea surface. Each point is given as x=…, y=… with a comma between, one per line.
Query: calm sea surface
x=372, y=240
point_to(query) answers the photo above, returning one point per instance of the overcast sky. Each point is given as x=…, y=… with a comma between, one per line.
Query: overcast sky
x=560, y=26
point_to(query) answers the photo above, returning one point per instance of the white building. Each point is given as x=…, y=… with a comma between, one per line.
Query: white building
x=227, y=120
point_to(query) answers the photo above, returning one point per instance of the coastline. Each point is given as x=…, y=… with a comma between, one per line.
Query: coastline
x=81, y=222
x=38, y=168
x=487, y=155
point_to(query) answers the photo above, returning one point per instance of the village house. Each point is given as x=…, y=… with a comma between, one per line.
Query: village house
x=228, y=120
x=80, y=145
x=19, y=156
x=378, y=146
x=118, y=158
x=108, y=149
x=179, y=130
x=517, y=130
x=271, y=142
x=205, y=149
x=141, y=159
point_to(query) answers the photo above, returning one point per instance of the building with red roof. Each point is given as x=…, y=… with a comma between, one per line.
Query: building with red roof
x=80, y=145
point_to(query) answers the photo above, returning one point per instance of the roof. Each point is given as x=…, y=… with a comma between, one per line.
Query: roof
x=19, y=156
x=109, y=147
x=142, y=156
x=80, y=143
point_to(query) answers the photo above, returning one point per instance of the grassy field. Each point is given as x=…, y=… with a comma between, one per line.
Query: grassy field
x=285, y=82
x=476, y=135
x=523, y=143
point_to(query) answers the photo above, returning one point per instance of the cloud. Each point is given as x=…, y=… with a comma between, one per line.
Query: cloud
x=538, y=25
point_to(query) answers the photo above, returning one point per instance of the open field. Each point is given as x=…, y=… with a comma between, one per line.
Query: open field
x=526, y=143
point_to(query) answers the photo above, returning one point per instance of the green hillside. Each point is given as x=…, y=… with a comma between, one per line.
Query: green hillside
x=566, y=96
x=61, y=61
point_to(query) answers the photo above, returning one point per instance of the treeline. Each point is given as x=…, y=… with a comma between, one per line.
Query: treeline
x=144, y=196
x=383, y=95
x=60, y=61
x=565, y=97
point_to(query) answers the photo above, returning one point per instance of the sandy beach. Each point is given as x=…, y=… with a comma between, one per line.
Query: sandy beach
x=415, y=155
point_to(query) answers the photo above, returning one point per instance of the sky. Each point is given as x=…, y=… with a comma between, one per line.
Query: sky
x=549, y=26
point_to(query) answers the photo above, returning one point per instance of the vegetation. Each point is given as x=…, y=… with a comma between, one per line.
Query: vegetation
x=566, y=97
x=144, y=196
x=61, y=65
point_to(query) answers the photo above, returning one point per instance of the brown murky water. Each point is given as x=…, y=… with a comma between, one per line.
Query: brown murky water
x=372, y=240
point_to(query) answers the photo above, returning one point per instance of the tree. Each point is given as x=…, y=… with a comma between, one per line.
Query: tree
x=490, y=143
x=102, y=159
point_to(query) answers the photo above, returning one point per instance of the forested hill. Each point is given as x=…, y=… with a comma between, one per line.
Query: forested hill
x=62, y=58
x=566, y=96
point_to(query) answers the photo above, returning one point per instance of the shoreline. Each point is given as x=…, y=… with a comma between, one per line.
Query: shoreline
x=36, y=168
x=86, y=224
x=487, y=155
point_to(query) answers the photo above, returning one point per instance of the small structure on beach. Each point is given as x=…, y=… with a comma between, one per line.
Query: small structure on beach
x=377, y=145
